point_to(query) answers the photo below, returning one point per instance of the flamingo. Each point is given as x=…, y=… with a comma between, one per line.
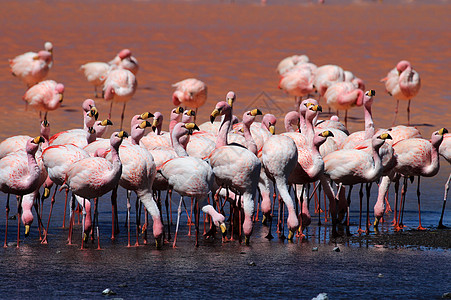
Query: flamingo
x=235, y=167
x=351, y=166
x=291, y=119
x=358, y=83
x=19, y=142
x=445, y=151
x=191, y=92
x=20, y=174
x=290, y=62
x=138, y=173
x=32, y=67
x=403, y=83
x=325, y=76
x=343, y=96
x=125, y=60
x=190, y=176
x=120, y=86
x=96, y=74
x=214, y=127
x=58, y=159
x=45, y=96
x=93, y=177
x=298, y=82
x=418, y=157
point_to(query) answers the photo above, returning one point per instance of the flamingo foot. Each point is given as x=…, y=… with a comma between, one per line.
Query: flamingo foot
x=360, y=231
x=421, y=228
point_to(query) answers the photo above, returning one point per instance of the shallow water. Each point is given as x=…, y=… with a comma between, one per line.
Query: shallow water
x=230, y=46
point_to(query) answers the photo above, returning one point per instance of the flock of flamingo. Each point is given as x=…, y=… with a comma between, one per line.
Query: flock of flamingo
x=217, y=162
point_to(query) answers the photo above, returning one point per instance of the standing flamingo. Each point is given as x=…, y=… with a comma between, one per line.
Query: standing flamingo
x=32, y=67
x=96, y=74
x=190, y=176
x=403, y=83
x=20, y=174
x=290, y=62
x=298, y=82
x=445, y=151
x=45, y=96
x=235, y=167
x=325, y=76
x=120, y=86
x=93, y=177
x=418, y=157
x=190, y=92
x=125, y=60
x=343, y=96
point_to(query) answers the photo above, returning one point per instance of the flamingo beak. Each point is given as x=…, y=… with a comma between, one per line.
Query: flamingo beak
x=214, y=114
x=223, y=229
x=106, y=122
x=230, y=102
x=122, y=134
x=443, y=131
x=45, y=123
x=46, y=193
x=191, y=113
x=272, y=129
x=94, y=113
x=60, y=97
x=179, y=110
x=27, y=230
x=38, y=139
x=146, y=115
x=144, y=124
x=256, y=112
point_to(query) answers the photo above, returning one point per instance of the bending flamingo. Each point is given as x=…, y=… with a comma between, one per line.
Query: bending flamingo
x=44, y=97
x=445, y=151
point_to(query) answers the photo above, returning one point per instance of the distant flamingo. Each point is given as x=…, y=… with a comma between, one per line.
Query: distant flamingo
x=120, y=86
x=298, y=82
x=358, y=83
x=32, y=67
x=403, y=83
x=343, y=96
x=290, y=62
x=93, y=177
x=96, y=74
x=125, y=60
x=44, y=97
x=418, y=157
x=445, y=151
x=235, y=167
x=326, y=75
x=21, y=174
x=190, y=92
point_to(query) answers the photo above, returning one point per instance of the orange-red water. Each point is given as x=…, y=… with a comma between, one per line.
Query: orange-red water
x=230, y=46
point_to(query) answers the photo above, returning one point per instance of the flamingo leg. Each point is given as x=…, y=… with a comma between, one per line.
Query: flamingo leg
x=419, y=210
x=196, y=220
x=138, y=219
x=346, y=118
x=408, y=113
x=396, y=112
x=71, y=220
x=123, y=113
x=403, y=202
x=40, y=225
x=179, y=212
x=52, y=202
x=167, y=216
x=96, y=216
x=440, y=223
x=111, y=109
x=360, y=212
x=170, y=204
x=19, y=213
x=395, y=215
x=5, y=245
x=128, y=219
x=368, y=191
x=348, y=232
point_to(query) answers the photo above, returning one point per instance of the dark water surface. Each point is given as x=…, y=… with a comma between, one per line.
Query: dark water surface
x=230, y=46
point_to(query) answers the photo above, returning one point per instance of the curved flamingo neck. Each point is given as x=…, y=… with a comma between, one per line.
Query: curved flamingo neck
x=369, y=125
x=33, y=168
x=179, y=148
x=432, y=168
x=250, y=143
x=224, y=129
x=376, y=170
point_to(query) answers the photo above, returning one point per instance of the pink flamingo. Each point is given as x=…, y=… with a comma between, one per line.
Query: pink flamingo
x=298, y=82
x=32, y=67
x=191, y=177
x=325, y=76
x=343, y=96
x=235, y=167
x=358, y=83
x=58, y=159
x=191, y=92
x=445, y=151
x=96, y=74
x=120, y=86
x=45, y=96
x=418, y=157
x=290, y=62
x=214, y=127
x=125, y=60
x=351, y=166
x=20, y=174
x=93, y=177
x=403, y=83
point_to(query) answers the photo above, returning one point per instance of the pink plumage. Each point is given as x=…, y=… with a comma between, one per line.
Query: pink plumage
x=190, y=92
x=45, y=96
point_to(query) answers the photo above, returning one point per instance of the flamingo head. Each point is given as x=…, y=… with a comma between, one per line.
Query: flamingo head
x=403, y=65
x=124, y=53
x=230, y=98
x=368, y=98
x=44, y=55
x=33, y=144
x=221, y=108
x=269, y=123
x=101, y=126
x=291, y=118
x=191, y=127
x=249, y=116
x=188, y=115
x=157, y=122
x=116, y=139
x=437, y=137
x=48, y=46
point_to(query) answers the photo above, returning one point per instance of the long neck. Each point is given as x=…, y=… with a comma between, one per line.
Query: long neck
x=309, y=132
x=376, y=170
x=432, y=168
x=33, y=169
x=158, y=130
x=369, y=125
x=318, y=163
x=250, y=143
x=179, y=148
x=116, y=172
x=221, y=140
x=302, y=124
